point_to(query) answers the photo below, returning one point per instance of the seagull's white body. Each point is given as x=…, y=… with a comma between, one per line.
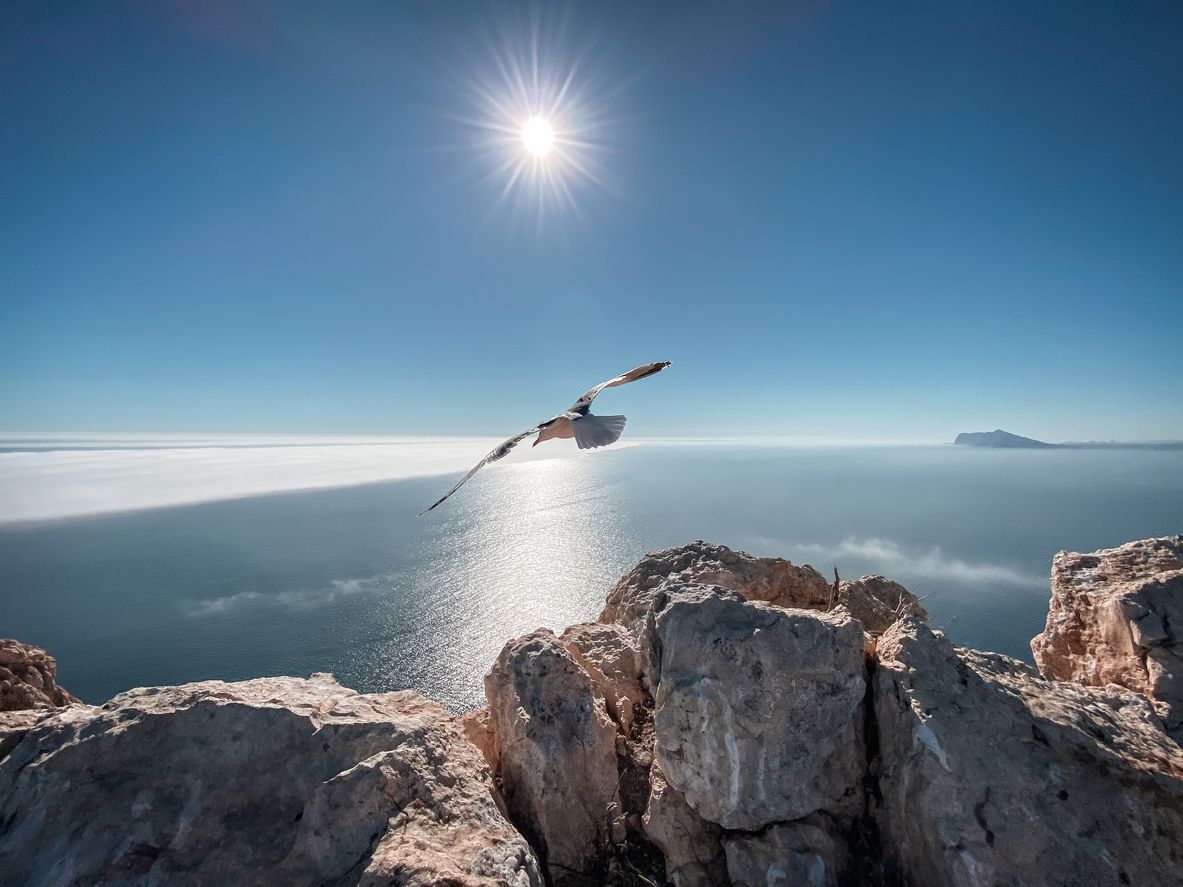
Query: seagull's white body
x=578, y=422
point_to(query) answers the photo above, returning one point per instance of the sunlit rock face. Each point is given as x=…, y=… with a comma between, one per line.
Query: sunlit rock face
x=757, y=709
x=757, y=578
x=28, y=678
x=277, y=781
x=875, y=601
x=1116, y=617
x=878, y=603
x=554, y=743
x=990, y=774
x=612, y=660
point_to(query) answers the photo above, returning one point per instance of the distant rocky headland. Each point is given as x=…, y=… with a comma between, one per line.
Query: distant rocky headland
x=999, y=439
x=728, y=719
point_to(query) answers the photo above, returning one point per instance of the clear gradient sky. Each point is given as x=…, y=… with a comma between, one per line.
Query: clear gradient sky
x=857, y=220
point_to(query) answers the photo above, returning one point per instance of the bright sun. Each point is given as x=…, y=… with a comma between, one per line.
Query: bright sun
x=538, y=136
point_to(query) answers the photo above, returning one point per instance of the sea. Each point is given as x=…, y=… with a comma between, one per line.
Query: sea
x=350, y=580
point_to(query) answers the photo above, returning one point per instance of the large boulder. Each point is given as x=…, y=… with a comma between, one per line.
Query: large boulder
x=276, y=781
x=555, y=747
x=28, y=678
x=758, y=710
x=770, y=579
x=1116, y=617
x=990, y=774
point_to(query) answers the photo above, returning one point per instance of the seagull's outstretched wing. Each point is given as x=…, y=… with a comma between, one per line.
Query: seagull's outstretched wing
x=584, y=403
x=498, y=453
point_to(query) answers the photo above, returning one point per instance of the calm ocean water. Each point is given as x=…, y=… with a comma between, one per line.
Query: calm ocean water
x=350, y=581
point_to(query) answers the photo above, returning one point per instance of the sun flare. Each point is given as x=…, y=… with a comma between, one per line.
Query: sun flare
x=538, y=136
x=540, y=106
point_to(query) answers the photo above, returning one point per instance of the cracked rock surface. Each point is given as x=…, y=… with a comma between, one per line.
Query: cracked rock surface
x=1116, y=617
x=757, y=709
x=729, y=720
x=991, y=774
x=278, y=781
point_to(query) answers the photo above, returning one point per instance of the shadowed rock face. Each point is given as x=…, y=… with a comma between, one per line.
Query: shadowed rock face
x=691, y=845
x=991, y=774
x=807, y=853
x=1116, y=617
x=274, y=781
x=28, y=678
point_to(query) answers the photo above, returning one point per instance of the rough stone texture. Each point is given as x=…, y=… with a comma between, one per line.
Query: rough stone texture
x=277, y=781
x=799, y=854
x=990, y=774
x=479, y=730
x=878, y=603
x=873, y=600
x=555, y=746
x=770, y=579
x=612, y=659
x=1116, y=617
x=15, y=724
x=758, y=709
x=28, y=678
x=690, y=844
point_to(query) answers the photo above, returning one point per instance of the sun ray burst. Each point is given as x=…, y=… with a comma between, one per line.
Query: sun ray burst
x=540, y=121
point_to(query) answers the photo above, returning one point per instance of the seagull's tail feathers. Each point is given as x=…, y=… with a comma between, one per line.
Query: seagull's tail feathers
x=597, y=431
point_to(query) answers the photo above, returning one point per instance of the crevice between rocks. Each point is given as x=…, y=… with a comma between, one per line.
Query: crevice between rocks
x=868, y=864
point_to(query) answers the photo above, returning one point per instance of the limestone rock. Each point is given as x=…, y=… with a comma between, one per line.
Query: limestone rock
x=555, y=745
x=1116, y=617
x=758, y=709
x=612, y=659
x=479, y=730
x=802, y=854
x=878, y=603
x=28, y=678
x=873, y=600
x=15, y=724
x=691, y=845
x=990, y=774
x=770, y=579
x=277, y=781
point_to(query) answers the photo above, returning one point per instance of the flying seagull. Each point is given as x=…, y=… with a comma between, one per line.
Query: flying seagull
x=577, y=421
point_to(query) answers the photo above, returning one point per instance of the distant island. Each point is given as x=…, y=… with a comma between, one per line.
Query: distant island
x=999, y=439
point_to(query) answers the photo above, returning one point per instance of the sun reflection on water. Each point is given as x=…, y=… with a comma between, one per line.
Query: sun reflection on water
x=530, y=546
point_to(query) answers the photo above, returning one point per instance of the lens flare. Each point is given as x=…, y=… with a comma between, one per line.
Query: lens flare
x=538, y=136
x=540, y=115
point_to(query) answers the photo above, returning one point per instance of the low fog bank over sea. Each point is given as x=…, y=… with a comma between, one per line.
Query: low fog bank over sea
x=347, y=579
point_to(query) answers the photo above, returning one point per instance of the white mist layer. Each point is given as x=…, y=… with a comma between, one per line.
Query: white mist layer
x=169, y=470
x=891, y=559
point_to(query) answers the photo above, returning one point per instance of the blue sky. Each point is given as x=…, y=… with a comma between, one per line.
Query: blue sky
x=848, y=220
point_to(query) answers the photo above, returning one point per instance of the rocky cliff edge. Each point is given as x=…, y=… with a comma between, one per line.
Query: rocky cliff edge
x=727, y=720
